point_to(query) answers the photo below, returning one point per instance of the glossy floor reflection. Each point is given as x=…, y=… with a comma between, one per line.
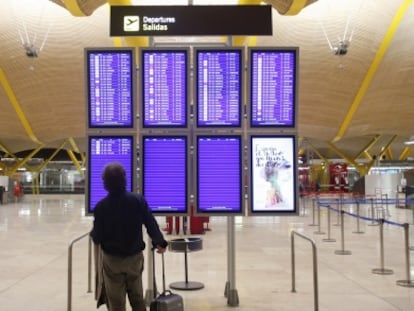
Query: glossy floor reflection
x=35, y=236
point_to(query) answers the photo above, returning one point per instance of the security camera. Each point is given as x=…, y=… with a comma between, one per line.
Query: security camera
x=31, y=51
x=342, y=48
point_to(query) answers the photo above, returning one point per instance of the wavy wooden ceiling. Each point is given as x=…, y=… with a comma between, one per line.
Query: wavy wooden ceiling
x=348, y=100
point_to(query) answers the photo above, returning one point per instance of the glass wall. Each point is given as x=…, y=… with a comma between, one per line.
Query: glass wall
x=56, y=177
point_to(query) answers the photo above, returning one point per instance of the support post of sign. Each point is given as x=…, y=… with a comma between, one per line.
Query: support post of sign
x=231, y=291
x=151, y=291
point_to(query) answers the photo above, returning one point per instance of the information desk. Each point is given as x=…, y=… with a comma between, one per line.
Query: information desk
x=185, y=246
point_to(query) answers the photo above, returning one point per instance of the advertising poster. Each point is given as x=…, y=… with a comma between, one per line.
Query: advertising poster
x=273, y=170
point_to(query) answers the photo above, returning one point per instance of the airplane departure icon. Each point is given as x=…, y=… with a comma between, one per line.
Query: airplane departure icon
x=131, y=23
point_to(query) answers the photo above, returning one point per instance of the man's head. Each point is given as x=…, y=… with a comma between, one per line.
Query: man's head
x=114, y=178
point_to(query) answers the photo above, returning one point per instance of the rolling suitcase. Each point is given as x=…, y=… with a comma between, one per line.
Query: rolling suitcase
x=166, y=301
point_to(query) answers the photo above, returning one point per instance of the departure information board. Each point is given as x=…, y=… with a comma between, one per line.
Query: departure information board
x=164, y=87
x=110, y=88
x=219, y=170
x=272, y=87
x=164, y=173
x=102, y=151
x=219, y=87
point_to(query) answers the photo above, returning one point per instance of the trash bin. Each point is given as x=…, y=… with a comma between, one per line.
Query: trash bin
x=186, y=245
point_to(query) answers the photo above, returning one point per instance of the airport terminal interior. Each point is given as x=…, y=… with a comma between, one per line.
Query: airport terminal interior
x=36, y=234
x=313, y=203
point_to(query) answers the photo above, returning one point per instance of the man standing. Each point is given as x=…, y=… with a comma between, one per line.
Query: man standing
x=117, y=228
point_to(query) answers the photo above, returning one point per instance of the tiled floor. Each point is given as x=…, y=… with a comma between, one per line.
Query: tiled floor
x=35, y=236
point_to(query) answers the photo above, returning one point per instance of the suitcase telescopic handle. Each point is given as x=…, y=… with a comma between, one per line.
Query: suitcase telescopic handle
x=153, y=272
x=163, y=272
x=154, y=283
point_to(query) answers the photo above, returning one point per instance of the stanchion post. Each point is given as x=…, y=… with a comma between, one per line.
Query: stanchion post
x=358, y=230
x=70, y=254
x=382, y=270
x=329, y=239
x=319, y=221
x=313, y=213
x=387, y=205
x=407, y=282
x=315, y=267
x=338, y=218
x=302, y=203
x=373, y=222
x=407, y=203
x=292, y=260
x=412, y=211
x=69, y=304
x=342, y=251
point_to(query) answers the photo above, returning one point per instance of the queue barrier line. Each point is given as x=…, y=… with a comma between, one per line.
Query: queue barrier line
x=408, y=282
x=361, y=217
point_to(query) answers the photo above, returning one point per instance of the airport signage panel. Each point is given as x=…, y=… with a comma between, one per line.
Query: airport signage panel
x=219, y=175
x=164, y=174
x=103, y=150
x=164, y=87
x=194, y=20
x=110, y=87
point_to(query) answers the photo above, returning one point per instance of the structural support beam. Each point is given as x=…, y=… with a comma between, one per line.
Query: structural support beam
x=75, y=161
x=41, y=167
x=75, y=147
x=343, y=155
x=317, y=152
x=385, y=148
x=388, y=153
x=368, y=147
x=16, y=105
x=73, y=7
x=20, y=163
x=373, y=68
x=405, y=153
x=367, y=155
x=296, y=6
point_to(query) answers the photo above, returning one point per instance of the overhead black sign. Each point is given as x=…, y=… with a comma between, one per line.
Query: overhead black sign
x=194, y=20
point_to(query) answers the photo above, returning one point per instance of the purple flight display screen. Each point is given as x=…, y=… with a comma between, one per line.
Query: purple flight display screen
x=273, y=174
x=219, y=87
x=110, y=88
x=164, y=87
x=219, y=187
x=165, y=173
x=102, y=151
x=272, y=87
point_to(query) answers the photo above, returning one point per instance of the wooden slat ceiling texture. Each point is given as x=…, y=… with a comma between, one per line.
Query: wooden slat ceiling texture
x=343, y=100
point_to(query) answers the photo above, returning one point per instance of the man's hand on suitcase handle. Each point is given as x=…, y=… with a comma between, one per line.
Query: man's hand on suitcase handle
x=160, y=249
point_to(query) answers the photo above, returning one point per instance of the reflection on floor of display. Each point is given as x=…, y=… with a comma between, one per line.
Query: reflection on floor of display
x=35, y=235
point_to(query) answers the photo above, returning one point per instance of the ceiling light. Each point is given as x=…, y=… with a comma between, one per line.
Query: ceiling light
x=410, y=141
